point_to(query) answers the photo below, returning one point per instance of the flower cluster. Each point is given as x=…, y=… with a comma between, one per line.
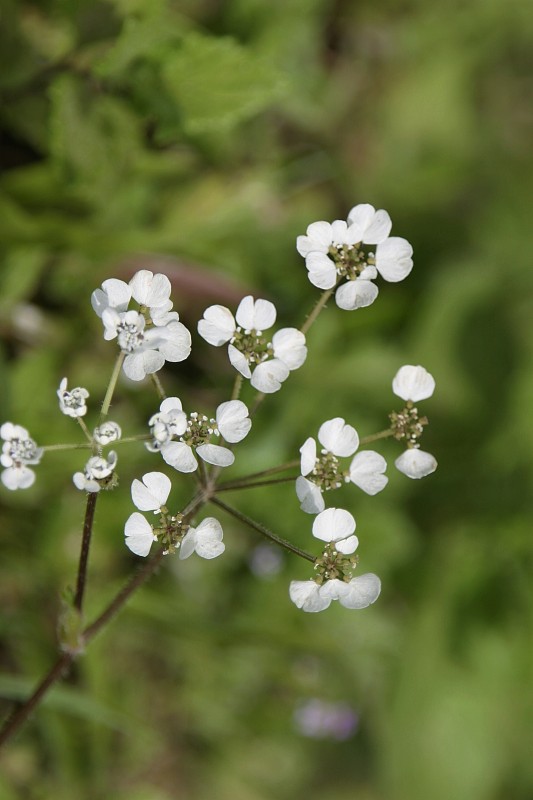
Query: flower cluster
x=345, y=250
x=334, y=569
x=99, y=473
x=18, y=451
x=147, y=337
x=323, y=472
x=412, y=384
x=172, y=531
x=178, y=436
x=72, y=403
x=266, y=363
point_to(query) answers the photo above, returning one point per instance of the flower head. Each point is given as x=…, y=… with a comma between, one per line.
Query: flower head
x=18, y=451
x=180, y=437
x=412, y=384
x=346, y=250
x=97, y=474
x=107, y=432
x=322, y=472
x=72, y=403
x=266, y=363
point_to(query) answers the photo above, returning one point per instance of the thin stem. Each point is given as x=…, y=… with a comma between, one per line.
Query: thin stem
x=84, y=552
x=252, y=484
x=158, y=386
x=50, y=447
x=375, y=436
x=264, y=531
x=261, y=474
x=86, y=431
x=237, y=387
x=323, y=299
x=112, y=383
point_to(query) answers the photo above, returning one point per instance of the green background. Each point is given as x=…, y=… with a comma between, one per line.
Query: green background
x=199, y=139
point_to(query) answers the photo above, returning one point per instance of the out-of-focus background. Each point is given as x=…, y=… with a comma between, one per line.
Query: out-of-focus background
x=199, y=139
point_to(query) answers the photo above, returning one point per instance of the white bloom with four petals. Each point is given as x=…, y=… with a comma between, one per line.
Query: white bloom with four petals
x=359, y=592
x=412, y=384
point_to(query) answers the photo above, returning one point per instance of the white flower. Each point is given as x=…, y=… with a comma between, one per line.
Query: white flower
x=412, y=384
x=113, y=294
x=18, y=451
x=205, y=540
x=194, y=433
x=338, y=440
x=266, y=363
x=107, y=432
x=336, y=525
x=342, y=250
x=359, y=592
x=96, y=470
x=139, y=534
x=152, y=493
x=72, y=403
x=152, y=291
x=146, y=349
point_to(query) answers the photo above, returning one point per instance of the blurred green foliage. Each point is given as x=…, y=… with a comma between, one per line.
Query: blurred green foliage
x=199, y=138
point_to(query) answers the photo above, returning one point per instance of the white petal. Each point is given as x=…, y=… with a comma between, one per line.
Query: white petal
x=309, y=495
x=9, y=431
x=394, y=259
x=114, y=293
x=149, y=289
x=180, y=456
x=209, y=542
x=233, y=421
x=362, y=591
x=152, y=493
x=215, y=454
x=416, y=463
x=289, y=347
x=238, y=360
x=188, y=544
x=176, y=344
x=413, y=383
x=334, y=589
x=308, y=456
x=217, y=326
x=333, y=524
x=268, y=376
x=356, y=294
x=338, y=438
x=171, y=404
x=306, y=595
x=210, y=549
x=321, y=270
x=348, y=545
x=319, y=238
x=139, y=534
x=15, y=478
x=255, y=315
x=378, y=229
x=366, y=471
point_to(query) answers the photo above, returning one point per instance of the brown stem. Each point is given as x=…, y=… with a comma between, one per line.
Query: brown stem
x=84, y=552
x=252, y=484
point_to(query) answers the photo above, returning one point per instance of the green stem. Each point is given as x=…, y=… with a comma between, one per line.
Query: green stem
x=262, y=530
x=261, y=474
x=85, y=430
x=375, y=436
x=111, y=387
x=158, y=386
x=323, y=299
x=50, y=447
x=237, y=387
x=252, y=484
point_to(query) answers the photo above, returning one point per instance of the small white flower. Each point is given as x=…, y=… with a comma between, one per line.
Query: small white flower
x=96, y=470
x=72, y=403
x=336, y=525
x=113, y=294
x=322, y=472
x=139, y=534
x=342, y=250
x=359, y=592
x=205, y=540
x=412, y=384
x=18, y=451
x=195, y=432
x=152, y=493
x=152, y=291
x=107, y=432
x=266, y=363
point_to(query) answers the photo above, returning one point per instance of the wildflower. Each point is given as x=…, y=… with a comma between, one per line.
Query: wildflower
x=412, y=384
x=205, y=540
x=334, y=568
x=266, y=363
x=18, y=451
x=343, y=250
x=107, y=432
x=149, y=495
x=72, y=403
x=323, y=472
x=97, y=474
x=194, y=433
x=139, y=534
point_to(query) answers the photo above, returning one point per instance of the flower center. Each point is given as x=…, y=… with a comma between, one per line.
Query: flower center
x=332, y=564
x=326, y=472
x=351, y=259
x=252, y=344
x=170, y=531
x=199, y=429
x=130, y=336
x=22, y=451
x=73, y=399
x=407, y=425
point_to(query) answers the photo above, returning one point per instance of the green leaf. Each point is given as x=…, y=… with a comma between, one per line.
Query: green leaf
x=218, y=83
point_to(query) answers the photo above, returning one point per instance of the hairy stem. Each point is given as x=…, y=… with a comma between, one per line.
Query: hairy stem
x=311, y=318
x=84, y=552
x=261, y=474
x=158, y=386
x=252, y=484
x=375, y=436
x=111, y=387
